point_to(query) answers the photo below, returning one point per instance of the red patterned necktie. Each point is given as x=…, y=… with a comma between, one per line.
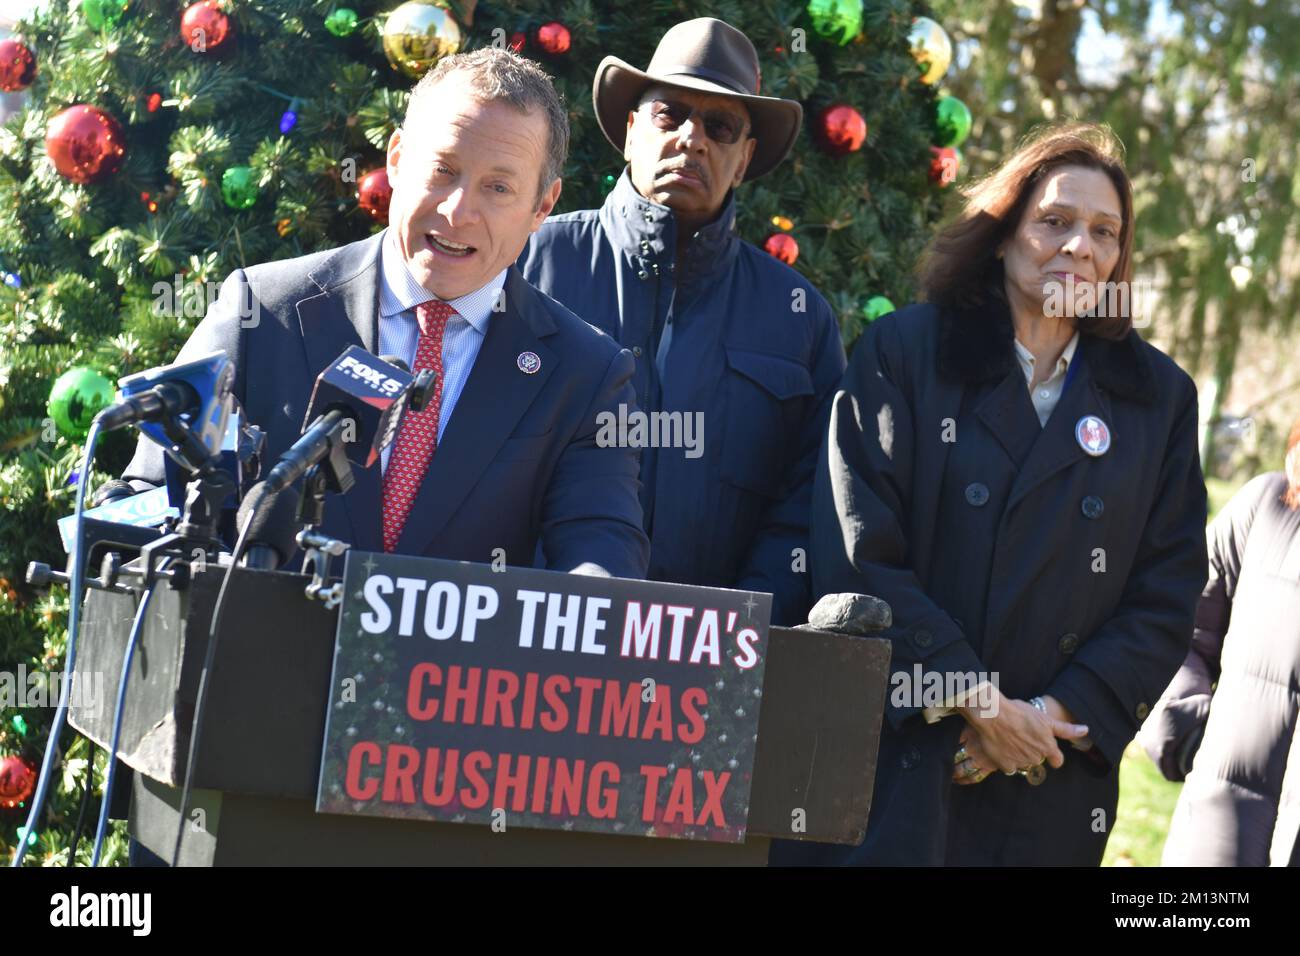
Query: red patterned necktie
x=418, y=435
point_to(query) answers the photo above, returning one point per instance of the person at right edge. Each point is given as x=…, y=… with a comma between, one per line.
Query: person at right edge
x=1015, y=471
x=1227, y=722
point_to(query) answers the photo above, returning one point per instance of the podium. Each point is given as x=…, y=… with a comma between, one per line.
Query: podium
x=256, y=771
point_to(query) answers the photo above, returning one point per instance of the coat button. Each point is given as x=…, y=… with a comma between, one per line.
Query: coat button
x=642, y=274
x=911, y=757
x=1142, y=711
x=1068, y=644
x=977, y=494
x=922, y=639
x=1092, y=507
x=636, y=350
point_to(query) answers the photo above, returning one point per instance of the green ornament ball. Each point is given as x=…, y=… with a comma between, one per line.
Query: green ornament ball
x=608, y=182
x=77, y=397
x=239, y=188
x=103, y=13
x=342, y=22
x=877, y=306
x=19, y=724
x=839, y=21
x=952, y=121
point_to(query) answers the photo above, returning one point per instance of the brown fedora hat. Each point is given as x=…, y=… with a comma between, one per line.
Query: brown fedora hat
x=706, y=55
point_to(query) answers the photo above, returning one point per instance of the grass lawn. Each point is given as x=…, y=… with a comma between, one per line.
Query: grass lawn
x=1219, y=491
x=1146, y=802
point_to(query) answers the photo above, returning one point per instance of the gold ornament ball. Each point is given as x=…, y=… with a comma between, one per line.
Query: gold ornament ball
x=931, y=48
x=418, y=35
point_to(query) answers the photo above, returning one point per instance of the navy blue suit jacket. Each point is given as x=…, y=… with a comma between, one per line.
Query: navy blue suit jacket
x=517, y=465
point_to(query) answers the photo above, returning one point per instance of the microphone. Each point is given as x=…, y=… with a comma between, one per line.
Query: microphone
x=169, y=400
x=355, y=408
x=272, y=537
x=239, y=455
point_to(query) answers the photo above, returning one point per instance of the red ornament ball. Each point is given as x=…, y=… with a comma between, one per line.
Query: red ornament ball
x=517, y=42
x=154, y=101
x=85, y=144
x=841, y=130
x=374, y=194
x=17, y=65
x=944, y=163
x=554, y=38
x=206, y=28
x=781, y=245
x=17, y=781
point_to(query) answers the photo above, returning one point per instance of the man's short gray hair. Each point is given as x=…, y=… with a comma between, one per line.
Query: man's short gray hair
x=496, y=74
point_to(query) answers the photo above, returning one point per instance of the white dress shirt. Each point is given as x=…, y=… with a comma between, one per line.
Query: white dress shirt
x=399, y=330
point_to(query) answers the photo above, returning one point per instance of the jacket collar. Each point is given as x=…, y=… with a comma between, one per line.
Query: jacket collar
x=352, y=274
x=646, y=232
x=977, y=344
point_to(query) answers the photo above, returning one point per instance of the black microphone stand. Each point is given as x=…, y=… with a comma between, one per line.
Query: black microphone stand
x=197, y=529
x=334, y=474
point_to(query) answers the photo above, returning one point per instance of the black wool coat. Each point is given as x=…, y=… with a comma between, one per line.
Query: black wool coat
x=1002, y=546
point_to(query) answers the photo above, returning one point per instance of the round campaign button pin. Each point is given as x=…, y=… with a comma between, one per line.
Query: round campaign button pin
x=1093, y=435
x=529, y=363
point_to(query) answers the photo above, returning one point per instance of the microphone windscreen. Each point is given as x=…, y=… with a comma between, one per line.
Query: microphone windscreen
x=272, y=537
x=208, y=380
x=370, y=391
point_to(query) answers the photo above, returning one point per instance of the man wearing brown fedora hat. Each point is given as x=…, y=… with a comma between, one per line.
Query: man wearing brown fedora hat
x=737, y=354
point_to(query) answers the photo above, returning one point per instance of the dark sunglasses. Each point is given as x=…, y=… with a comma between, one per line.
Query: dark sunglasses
x=719, y=126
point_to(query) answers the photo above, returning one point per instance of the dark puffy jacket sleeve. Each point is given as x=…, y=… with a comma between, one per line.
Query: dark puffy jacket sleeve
x=862, y=511
x=771, y=564
x=1172, y=734
x=1121, y=670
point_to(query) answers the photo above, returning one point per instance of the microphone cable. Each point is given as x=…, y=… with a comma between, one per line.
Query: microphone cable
x=85, y=802
x=136, y=627
x=200, y=707
x=76, y=587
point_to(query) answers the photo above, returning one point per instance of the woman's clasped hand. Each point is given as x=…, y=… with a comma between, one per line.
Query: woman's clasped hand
x=1012, y=736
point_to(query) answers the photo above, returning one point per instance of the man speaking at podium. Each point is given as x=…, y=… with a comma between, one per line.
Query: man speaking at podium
x=504, y=454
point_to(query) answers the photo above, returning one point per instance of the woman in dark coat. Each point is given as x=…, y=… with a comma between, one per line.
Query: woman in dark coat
x=1230, y=713
x=1015, y=471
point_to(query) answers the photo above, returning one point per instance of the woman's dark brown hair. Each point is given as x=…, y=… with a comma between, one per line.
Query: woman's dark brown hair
x=1292, y=496
x=960, y=267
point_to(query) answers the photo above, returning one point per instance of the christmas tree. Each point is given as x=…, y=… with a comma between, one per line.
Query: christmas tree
x=163, y=145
